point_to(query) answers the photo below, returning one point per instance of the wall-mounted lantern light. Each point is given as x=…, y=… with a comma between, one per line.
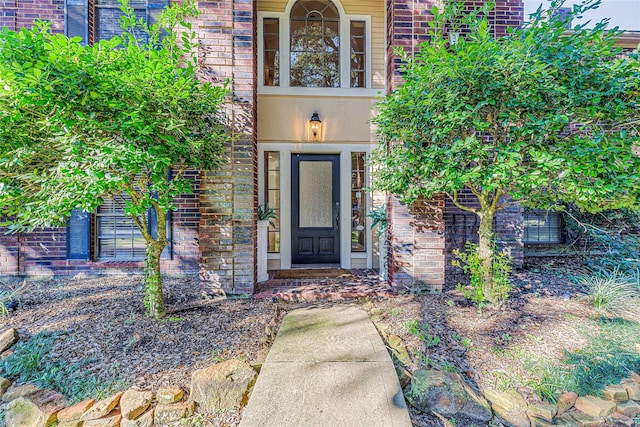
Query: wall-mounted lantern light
x=315, y=127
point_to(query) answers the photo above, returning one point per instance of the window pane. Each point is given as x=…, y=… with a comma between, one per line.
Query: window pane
x=271, y=35
x=107, y=20
x=118, y=238
x=358, y=203
x=315, y=44
x=272, y=196
x=542, y=227
x=357, y=54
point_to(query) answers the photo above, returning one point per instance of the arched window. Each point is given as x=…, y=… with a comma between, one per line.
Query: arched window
x=312, y=45
x=315, y=44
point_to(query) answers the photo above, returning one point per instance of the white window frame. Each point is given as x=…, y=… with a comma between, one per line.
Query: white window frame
x=344, y=150
x=345, y=88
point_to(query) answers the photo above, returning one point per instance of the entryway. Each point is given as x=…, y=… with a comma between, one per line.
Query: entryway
x=315, y=208
x=314, y=285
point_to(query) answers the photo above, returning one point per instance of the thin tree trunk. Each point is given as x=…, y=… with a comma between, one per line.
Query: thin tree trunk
x=485, y=234
x=154, y=300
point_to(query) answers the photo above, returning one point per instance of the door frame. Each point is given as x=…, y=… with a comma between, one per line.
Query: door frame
x=334, y=231
x=286, y=149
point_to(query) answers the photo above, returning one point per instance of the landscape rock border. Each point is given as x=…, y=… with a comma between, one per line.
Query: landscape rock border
x=27, y=405
x=433, y=391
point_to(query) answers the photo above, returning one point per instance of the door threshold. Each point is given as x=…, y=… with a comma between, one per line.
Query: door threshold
x=314, y=266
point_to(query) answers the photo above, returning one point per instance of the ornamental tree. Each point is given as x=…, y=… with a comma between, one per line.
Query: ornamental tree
x=539, y=117
x=122, y=119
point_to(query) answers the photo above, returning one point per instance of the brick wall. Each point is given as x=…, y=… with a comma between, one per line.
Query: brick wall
x=43, y=252
x=16, y=14
x=419, y=253
x=227, y=33
x=408, y=25
x=416, y=249
x=462, y=227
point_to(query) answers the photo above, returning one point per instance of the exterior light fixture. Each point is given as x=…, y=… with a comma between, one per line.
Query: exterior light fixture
x=315, y=127
x=453, y=37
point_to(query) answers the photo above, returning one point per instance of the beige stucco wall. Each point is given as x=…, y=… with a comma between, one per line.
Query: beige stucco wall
x=373, y=8
x=344, y=119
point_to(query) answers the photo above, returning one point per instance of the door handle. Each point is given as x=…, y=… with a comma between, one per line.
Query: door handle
x=338, y=221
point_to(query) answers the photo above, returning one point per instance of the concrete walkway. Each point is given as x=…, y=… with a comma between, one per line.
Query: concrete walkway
x=328, y=367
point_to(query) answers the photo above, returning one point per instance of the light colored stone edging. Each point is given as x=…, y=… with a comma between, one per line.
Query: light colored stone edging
x=446, y=394
x=219, y=387
x=214, y=389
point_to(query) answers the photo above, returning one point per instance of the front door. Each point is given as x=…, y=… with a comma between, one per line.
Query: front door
x=315, y=182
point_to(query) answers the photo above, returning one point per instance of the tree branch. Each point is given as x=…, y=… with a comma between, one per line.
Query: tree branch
x=454, y=199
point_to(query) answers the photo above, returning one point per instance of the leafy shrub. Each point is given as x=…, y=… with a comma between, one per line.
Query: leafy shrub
x=471, y=264
x=614, y=293
x=608, y=240
x=31, y=362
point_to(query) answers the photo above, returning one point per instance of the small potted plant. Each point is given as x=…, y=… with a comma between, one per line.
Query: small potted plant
x=265, y=216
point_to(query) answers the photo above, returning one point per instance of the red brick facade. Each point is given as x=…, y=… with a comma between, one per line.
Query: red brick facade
x=422, y=236
x=44, y=252
x=16, y=14
x=228, y=224
x=214, y=230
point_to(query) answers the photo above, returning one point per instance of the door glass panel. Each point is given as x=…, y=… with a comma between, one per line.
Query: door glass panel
x=316, y=208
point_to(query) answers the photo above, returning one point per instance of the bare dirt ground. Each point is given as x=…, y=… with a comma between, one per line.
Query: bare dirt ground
x=105, y=323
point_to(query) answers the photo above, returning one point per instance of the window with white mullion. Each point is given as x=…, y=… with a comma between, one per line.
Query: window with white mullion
x=271, y=51
x=315, y=44
x=358, y=53
x=315, y=49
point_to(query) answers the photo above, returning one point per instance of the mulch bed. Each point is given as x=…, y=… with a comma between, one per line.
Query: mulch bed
x=105, y=321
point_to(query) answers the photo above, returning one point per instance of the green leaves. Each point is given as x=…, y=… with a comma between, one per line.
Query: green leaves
x=535, y=114
x=78, y=123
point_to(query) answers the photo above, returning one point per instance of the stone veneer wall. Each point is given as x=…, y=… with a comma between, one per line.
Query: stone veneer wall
x=228, y=232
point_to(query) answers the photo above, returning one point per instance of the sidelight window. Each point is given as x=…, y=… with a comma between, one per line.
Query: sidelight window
x=358, y=203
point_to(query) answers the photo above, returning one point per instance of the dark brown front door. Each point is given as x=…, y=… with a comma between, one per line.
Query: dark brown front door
x=315, y=180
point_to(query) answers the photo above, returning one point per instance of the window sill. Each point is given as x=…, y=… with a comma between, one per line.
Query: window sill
x=321, y=91
x=543, y=243
x=116, y=264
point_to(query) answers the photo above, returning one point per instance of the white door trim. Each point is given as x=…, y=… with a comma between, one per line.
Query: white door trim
x=286, y=150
